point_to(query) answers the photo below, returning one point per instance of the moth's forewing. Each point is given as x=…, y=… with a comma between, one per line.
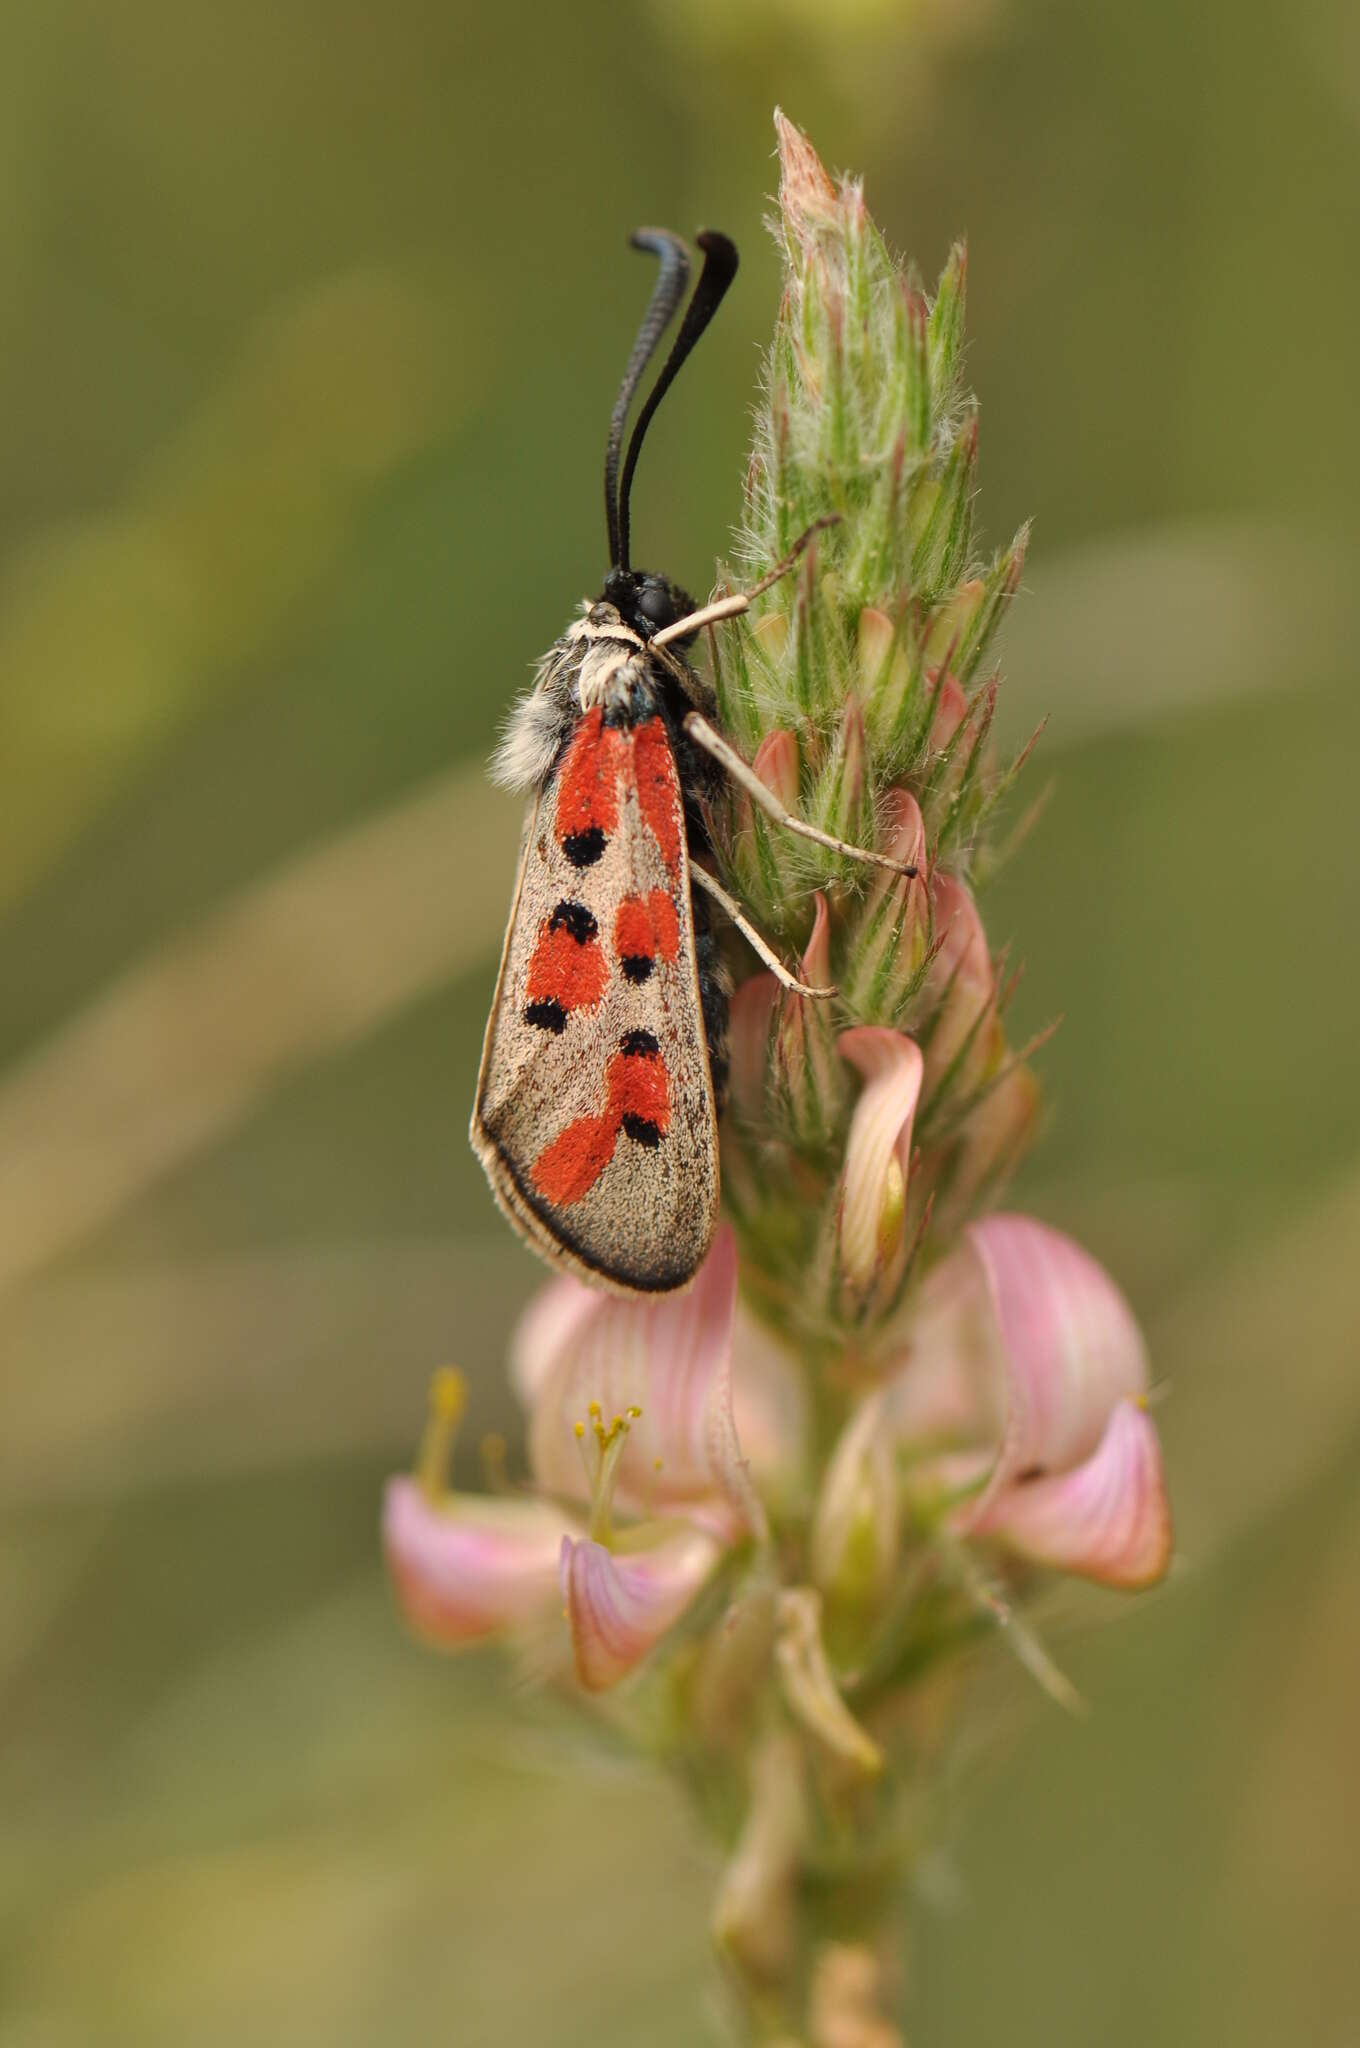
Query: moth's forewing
x=595, y=1117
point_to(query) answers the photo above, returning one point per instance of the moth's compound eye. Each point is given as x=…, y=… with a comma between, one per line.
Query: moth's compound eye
x=656, y=603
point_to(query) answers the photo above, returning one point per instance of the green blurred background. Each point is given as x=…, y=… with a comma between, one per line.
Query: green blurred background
x=312, y=316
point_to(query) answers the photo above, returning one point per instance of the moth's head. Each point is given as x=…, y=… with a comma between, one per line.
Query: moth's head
x=645, y=602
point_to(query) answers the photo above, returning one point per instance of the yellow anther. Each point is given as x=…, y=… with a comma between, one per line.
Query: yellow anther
x=580, y=1429
x=635, y=1414
x=448, y=1399
x=656, y=1464
x=448, y=1394
x=593, y=1408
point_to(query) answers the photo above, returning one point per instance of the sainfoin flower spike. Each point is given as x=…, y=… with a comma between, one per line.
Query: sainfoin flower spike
x=766, y=1521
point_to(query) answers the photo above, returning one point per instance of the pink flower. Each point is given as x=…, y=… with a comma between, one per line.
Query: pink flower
x=1015, y=1411
x=633, y=1408
x=465, y=1568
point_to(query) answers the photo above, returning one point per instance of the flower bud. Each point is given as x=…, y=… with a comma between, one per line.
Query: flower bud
x=963, y=1039
x=810, y=1691
x=754, y=1921
x=856, y=1527
x=810, y=1077
x=949, y=707
x=761, y=855
x=990, y=1143
x=750, y=1031
x=889, y=939
x=877, y=1158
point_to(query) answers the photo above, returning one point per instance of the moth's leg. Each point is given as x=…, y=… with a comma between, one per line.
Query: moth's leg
x=753, y=938
x=732, y=606
x=711, y=740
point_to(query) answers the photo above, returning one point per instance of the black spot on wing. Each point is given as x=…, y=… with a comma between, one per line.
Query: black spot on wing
x=642, y=1130
x=576, y=919
x=583, y=849
x=547, y=1015
x=636, y=966
x=640, y=1043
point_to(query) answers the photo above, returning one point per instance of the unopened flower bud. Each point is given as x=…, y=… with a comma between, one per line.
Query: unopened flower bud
x=963, y=1038
x=810, y=1690
x=750, y=1032
x=810, y=1076
x=877, y=1160
x=887, y=950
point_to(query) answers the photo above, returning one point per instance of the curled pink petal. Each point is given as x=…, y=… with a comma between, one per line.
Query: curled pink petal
x=1069, y=1344
x=469, y=1567
x=1014, y=1355
x=619, y=1606
x=1107, y=1518
x=671, y=1358
x=878, y=1149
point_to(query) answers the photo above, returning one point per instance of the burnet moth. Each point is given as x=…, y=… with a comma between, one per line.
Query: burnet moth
x=604, y=1063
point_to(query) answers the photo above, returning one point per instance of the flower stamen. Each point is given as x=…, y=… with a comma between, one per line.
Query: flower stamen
x=434, y=1459
x=602, y=1444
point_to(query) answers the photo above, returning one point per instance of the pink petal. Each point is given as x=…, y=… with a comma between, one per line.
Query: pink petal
x=770, y=1408
x=994, y=1137
x=466, y=1568
x=816, y=961
x=879, y=1140
x=903, y=836
x=950, y=706
x=1108, y=1518
x=546, y=1331
x=1014, y=1353
x=749, y=1029
x=964, y=986
x=775, y=761
x=1070, y=1346
x=619, y=1606
x=672, y=1358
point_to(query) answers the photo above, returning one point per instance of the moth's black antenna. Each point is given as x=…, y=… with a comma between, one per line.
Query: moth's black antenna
x=671, y=285
x=720, y=267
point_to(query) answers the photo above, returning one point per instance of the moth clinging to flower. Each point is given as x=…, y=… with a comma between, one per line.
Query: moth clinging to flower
x=604, y=1063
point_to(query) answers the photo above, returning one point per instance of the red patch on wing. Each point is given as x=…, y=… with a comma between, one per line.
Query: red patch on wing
x=571, y=1165
x=658, y=789
x=637, y=1087
x=588, y=784
x=565, y=970
x=646, y=927
x=569, y=1168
